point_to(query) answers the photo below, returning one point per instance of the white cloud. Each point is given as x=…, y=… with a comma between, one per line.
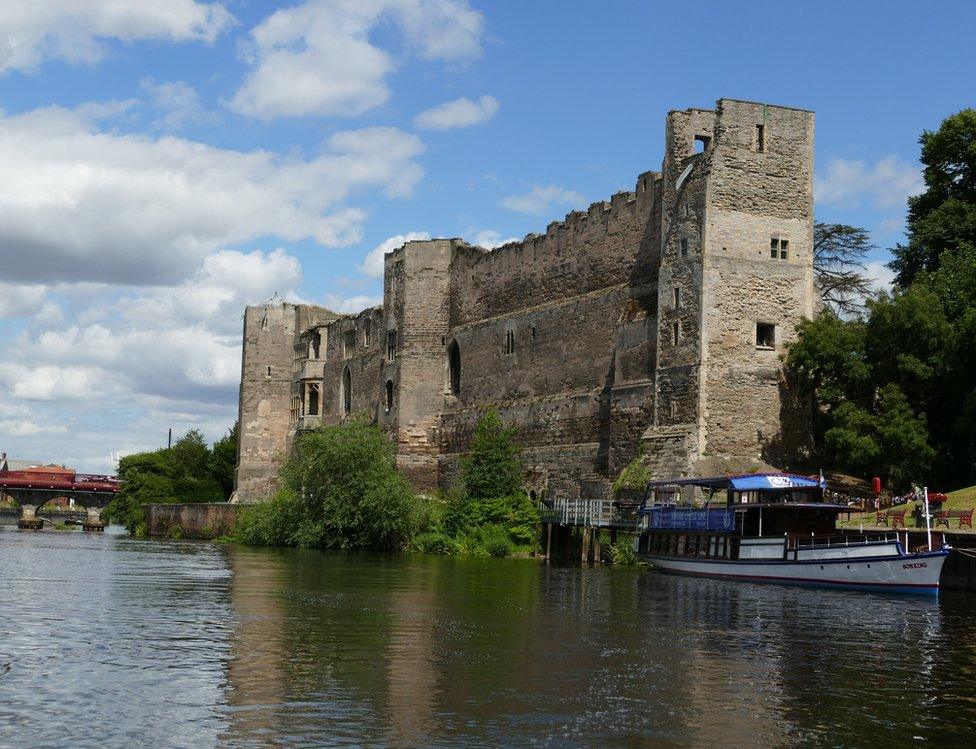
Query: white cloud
x=879, y=275
x=490, y=239
x=226, y=282
x=543, y=198
x=80, y=204
x=21, y=300
x=177, y=104
x=372, y=264
x=887, y=184
x=458, y=113
x=28, y=428
x=49, y=383
x=318, y=59
x=73, y=30
x=353, y=304
x=174, y=342
x=126, y=368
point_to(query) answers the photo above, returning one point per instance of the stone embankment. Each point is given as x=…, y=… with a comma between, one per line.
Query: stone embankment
x=190, y=520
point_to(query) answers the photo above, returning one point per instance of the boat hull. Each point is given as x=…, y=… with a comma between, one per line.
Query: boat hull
x=916, y=574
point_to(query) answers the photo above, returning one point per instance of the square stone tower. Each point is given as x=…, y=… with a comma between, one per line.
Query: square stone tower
x=736, y=275
x=265, y=398
x=417, y=280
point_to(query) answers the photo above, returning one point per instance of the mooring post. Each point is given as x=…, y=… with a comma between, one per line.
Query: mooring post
x=596, y=546
x=585, y=555
x=548, y=542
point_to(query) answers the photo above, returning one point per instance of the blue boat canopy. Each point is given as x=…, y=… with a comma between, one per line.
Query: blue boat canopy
x=746, y=482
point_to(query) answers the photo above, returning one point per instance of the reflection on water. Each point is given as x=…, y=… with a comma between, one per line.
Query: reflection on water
x=116, y=642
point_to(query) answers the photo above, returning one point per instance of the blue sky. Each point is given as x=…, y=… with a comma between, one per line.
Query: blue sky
x=166, y=163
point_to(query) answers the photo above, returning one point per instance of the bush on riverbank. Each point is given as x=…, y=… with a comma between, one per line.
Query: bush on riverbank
x=622, y=553
x=489, y=514
x=342, y=491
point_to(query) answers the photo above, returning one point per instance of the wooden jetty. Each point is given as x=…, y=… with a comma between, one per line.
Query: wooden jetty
x=575, y=527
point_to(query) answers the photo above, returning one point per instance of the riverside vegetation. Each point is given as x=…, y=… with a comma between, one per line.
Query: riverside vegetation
x=189, y=471
x=341, y=490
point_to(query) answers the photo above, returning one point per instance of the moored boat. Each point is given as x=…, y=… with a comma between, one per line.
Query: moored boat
x=774, y=527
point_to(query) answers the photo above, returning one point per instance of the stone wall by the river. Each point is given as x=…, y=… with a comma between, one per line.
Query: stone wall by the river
x=195, y=520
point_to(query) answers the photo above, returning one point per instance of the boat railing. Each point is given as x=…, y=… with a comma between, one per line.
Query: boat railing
x=664, y=517
x=851, y=539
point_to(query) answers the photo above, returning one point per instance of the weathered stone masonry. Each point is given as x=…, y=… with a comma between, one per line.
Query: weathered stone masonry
x=653, y=321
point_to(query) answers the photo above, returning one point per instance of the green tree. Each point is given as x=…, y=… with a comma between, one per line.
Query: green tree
x=942, y=218
x=854, y=372
x=492, y=513
x=346, y=479
x=181, y=473
x=907, y=342
x=897, y=392
x=829, y=360
x=223, y=460
x=892, y=440
x=492, y=468
x=145, y=480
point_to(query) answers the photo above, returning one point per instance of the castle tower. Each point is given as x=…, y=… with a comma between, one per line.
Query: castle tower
x=265, y=398
x=736, y=277
x=416, y=310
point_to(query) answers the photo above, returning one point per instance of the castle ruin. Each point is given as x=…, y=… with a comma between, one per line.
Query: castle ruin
x=654, y=322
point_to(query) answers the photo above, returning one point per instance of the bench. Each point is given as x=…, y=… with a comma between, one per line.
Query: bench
x=965, y=517
x=897, y=517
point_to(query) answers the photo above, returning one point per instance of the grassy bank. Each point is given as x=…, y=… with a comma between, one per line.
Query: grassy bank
x=961, y=499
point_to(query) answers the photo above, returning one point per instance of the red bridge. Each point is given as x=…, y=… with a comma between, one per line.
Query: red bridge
x=34, y=487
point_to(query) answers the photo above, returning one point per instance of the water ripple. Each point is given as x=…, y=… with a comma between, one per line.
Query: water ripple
x=114, y=642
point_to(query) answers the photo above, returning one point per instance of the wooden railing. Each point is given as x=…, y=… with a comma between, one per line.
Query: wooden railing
x=592, y=513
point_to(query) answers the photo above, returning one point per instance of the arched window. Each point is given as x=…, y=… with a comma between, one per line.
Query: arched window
x=454, y=368
x=313, y=400
x=389, y=396
x=345, y=392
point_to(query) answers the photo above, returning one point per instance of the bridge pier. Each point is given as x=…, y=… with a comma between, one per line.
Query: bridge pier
x=94, y=521
x=28, y=520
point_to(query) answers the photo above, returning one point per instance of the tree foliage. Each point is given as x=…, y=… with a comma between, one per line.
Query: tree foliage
x=491, y=509
x=942, y=219
x=493, y=467
x=185, y=472
x=871, y=390
x=342, y=491
x=895, y=393
x=839, y=251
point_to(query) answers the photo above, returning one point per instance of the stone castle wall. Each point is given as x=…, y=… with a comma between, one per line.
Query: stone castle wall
x=628, y=327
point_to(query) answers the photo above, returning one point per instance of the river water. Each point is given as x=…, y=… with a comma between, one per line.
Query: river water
x=116, y=642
